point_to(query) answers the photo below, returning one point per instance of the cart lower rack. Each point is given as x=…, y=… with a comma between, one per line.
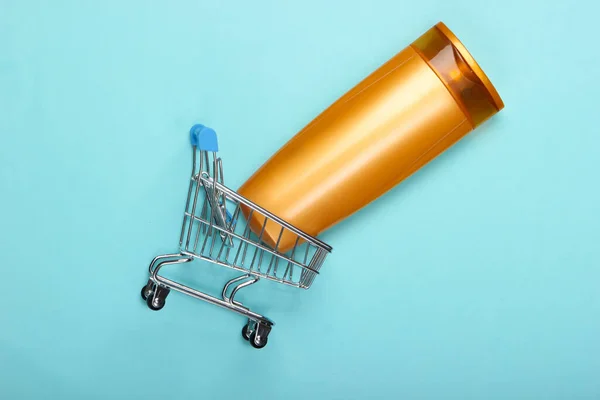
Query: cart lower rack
x=214, y=229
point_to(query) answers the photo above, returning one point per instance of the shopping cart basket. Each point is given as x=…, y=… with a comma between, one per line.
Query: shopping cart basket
x=214, y=230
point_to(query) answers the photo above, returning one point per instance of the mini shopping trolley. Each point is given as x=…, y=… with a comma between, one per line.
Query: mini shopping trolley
x=214, y=230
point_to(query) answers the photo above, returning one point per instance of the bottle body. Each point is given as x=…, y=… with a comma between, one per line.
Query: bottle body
x=376, y=135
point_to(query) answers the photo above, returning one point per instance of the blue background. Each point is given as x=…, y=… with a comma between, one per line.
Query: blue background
x=475, y=279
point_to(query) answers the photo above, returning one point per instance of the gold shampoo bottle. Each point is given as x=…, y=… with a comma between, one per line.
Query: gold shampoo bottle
x=388, y=126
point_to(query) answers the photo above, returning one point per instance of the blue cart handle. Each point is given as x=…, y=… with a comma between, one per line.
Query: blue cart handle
x=204, y=138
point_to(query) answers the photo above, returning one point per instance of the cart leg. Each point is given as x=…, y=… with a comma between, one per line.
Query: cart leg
x=255, y=331
x=150, y=287
x=154, y=293
x=230, y=298
x=162, y=257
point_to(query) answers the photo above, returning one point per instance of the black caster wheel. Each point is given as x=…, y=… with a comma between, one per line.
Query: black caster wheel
x=156, y=301
x=147, y=290
x=257, y=343
x=246, y=332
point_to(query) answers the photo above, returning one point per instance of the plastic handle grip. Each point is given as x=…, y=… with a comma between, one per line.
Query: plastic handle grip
x=204, y=138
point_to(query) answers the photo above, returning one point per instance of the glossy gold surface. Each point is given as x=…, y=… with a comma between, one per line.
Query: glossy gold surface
x=376, y=135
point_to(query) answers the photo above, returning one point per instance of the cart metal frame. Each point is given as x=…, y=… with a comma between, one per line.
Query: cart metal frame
x=211, y=232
